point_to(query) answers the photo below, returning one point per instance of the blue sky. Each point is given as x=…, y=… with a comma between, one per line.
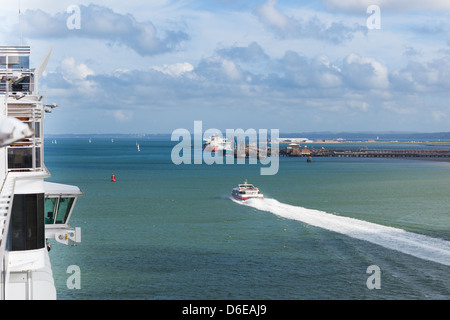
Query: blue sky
x=296, y=66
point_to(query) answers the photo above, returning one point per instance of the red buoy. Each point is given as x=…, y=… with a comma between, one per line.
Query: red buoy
x=113, y=178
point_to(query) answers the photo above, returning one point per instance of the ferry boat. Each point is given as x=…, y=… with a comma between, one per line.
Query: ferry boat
x=246, y=191
x=216, y=144
x=33, y=212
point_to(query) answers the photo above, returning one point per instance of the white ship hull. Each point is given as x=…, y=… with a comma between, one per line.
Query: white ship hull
x=246, y=191
x=218, y=145
x=246, y=197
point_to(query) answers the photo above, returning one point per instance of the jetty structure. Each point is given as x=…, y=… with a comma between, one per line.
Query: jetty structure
x=297, y=151
x=32, y=210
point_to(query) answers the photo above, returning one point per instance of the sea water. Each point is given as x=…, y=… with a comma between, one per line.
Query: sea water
x=163, y=231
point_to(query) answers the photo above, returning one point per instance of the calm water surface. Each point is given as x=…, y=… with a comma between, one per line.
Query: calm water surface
x=171, y=232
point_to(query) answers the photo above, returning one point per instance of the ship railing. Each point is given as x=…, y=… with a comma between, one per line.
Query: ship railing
x=27, y=154
x=27, y=112
x=16, y=80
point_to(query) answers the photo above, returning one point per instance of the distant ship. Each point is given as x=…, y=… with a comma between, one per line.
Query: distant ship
x=216, y=144
x=246, y=191
x=32, y=211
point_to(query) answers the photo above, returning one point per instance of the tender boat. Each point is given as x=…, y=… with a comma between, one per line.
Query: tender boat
x=246, y=191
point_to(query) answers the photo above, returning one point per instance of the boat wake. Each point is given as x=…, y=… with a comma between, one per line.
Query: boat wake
x=420, y=246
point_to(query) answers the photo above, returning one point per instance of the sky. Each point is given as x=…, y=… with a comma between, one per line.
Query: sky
x=294, y=65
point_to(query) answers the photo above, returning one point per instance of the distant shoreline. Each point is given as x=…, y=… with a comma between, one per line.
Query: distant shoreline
x=427, y=143
x=440, y=138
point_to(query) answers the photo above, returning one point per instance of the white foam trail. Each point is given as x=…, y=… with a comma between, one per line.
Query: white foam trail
x=414, y=244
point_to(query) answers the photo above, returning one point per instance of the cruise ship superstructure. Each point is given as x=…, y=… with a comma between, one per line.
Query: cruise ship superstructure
x=32, y=211
x=216, y=144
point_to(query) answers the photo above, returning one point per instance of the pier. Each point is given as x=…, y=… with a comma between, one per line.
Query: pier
x=295, y=150
x=368, y=153
x=251, y=151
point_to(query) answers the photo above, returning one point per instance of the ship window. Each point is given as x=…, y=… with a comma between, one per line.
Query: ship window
x=27, y=222
x=20, y=158
x=15, y=62
x=38, y=158
x=65, y=204
x=50, y=208
x=37, y=129
x=2, y=62
x=57, y=210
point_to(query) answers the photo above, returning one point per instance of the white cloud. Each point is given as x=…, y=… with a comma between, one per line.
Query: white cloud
x=326, y=74
x=270, y=15
x=175, y=70
x=397, y=108
x=439, y=115
x=121, y=115
x=432, y=76
x=231, y=70
x=314, y=28
x=73, y=71
x=302, y=63
x=358, y=105
x=220, y=68
x=72, y=81
x=365, y=73
x=389, y=5
x=98, y=22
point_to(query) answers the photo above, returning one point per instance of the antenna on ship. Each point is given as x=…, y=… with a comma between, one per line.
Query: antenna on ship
x=20, y=26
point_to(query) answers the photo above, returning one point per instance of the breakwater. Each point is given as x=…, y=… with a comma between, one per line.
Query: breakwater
x=368, y=153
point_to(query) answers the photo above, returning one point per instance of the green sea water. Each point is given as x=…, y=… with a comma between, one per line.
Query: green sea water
x=170, y=232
